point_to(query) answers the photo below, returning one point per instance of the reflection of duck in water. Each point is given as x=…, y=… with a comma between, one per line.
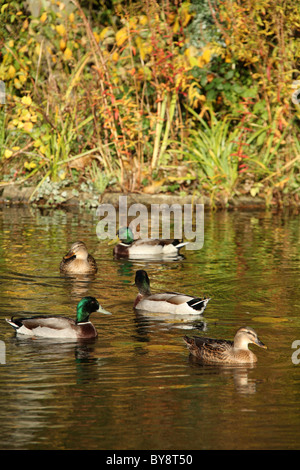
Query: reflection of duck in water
x=129, y=247
x=167, y=302
x=78, y=261
x=61, y=327
x=222, y=351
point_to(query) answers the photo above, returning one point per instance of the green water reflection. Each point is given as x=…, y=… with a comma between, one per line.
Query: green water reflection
x=135, y=386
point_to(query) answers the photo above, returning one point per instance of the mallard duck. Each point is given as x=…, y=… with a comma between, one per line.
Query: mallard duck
x=78, y=261
x=223, y=351
x=61, y=327
x=131, y=248
x=166, y=302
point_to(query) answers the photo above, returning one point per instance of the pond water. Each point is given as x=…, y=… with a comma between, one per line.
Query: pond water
x=135, y=386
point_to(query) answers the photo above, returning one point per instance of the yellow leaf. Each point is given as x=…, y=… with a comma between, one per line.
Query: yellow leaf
x=15, y=148
x=103, y=33
x=26, y=116
x=23, y=49
x=4, y=7
x=68, y=53
x=43, y=149
x=71, y=17
x=29, y=166
x=22, y=77
x=11, y=71
x=143, y=20
x=61, y=29
x=115, y=56
x=193, y=61
x=133, y=22
x=25, y=24
x=11, y=43
x=26, y=100
x=185, y=17
x=43, y=17
x=206, y=55
x=8, y=153
x=37, y=143
x=28, y=126
x=141, y=48
x=176, y=26
x=96, y=36
x=62, y=44
x=121, y=36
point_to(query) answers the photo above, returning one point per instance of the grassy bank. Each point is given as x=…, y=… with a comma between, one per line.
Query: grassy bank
x=151, y=97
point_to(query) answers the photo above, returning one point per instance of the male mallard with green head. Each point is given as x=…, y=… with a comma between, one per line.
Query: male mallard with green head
x=166, y=302
x=78, y=261
x=131, y=248
x=221, y=351
x=47, y=326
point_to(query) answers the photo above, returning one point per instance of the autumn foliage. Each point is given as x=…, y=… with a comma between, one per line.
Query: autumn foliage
x=129, y=94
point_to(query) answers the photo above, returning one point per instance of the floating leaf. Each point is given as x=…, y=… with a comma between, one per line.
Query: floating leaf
x=269, y=319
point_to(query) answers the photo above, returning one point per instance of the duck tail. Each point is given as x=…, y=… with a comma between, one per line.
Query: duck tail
x=13, y=323
x=179, y=244
x=198, y=303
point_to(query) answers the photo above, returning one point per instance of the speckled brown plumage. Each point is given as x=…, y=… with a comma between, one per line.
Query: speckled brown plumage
x=78, y=261
x=210, y=350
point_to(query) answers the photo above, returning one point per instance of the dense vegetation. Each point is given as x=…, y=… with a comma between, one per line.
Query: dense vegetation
x=186, y=97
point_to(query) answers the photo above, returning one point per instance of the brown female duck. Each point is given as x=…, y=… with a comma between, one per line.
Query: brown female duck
x=223, y=351
x=78, y=261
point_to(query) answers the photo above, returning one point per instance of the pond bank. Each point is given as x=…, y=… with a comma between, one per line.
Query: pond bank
x=13, y=194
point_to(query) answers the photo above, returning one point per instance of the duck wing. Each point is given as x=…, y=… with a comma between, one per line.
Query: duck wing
x=43, y=321
x=92, y=262
x=208, y=348
x=175, y=298
x=171, y=297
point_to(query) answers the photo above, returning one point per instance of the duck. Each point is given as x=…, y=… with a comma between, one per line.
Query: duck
x=223, y=351
x=58, y=326
x=166, y=302
x=78, y=261
x=128, y=247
